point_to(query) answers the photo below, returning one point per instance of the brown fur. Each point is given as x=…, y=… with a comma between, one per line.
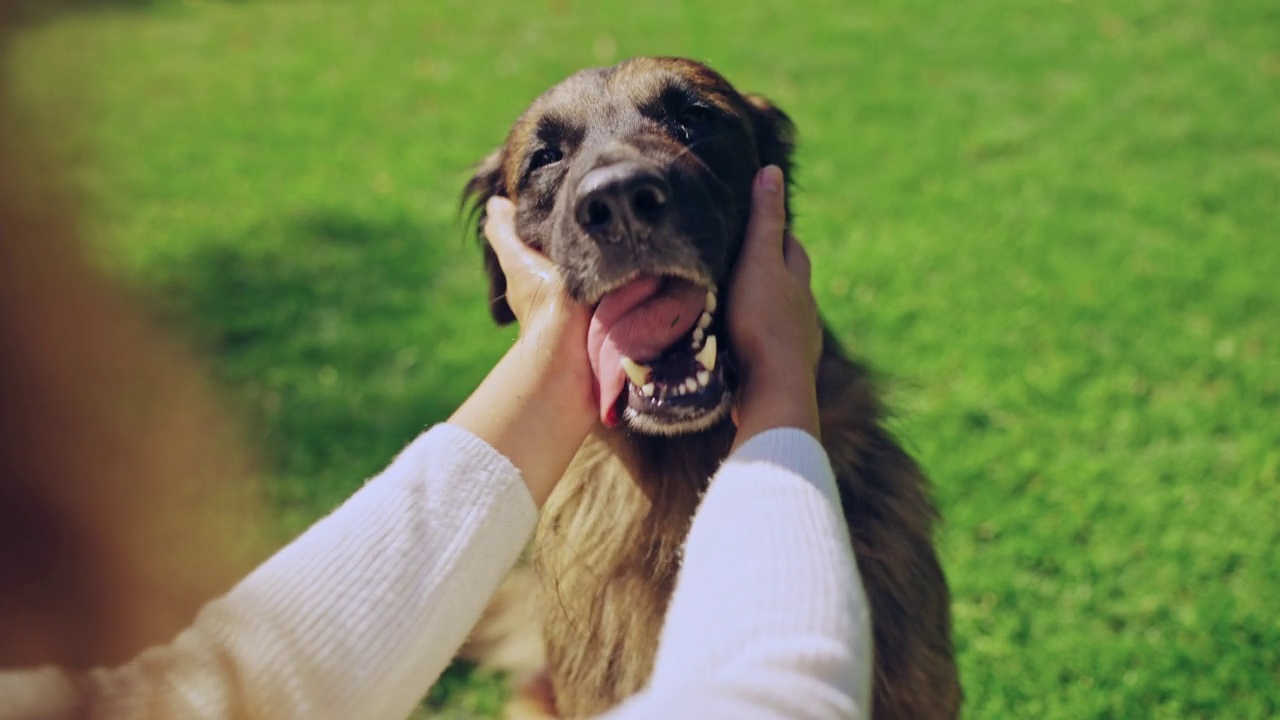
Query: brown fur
x=607, y=548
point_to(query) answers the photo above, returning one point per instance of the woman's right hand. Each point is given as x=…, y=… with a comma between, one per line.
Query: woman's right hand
x=774, y=327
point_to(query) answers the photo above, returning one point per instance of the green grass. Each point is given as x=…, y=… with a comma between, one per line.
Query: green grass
x=1055, y=226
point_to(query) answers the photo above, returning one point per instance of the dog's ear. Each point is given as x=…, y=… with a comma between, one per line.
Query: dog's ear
x=486, y=182
x=775, y=133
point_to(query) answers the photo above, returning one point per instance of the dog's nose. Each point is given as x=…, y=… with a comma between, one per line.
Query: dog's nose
x=625, y=199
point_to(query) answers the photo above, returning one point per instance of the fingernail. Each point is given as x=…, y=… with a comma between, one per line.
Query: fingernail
x=771, y=178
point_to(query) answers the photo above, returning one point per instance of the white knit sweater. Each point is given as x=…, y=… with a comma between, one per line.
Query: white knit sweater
x=358, y=616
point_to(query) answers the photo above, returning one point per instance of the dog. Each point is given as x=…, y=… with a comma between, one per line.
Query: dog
x=636, y=181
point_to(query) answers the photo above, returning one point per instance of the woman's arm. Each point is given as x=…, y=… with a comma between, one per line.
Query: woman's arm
x=354, y=619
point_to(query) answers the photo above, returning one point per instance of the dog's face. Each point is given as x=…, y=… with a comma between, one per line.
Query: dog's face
x=636, y=181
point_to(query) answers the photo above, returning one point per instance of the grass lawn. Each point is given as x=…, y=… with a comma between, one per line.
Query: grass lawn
x=1054, y=226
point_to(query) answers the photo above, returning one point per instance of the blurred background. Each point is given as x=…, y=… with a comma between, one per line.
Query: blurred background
x=1052, y=226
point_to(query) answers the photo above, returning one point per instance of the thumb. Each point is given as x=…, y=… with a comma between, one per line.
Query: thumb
x=764, y=236
x=500, y=229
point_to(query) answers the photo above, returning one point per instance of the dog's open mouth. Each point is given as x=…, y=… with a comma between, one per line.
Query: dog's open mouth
x=657, y=357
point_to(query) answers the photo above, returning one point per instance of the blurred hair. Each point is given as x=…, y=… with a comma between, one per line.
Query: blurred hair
x=124, y=493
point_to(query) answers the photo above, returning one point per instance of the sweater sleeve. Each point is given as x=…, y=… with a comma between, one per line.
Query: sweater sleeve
x=769, y=618
x=356, y=618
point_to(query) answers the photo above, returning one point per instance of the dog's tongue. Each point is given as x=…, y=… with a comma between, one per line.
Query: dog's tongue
x=638, y=320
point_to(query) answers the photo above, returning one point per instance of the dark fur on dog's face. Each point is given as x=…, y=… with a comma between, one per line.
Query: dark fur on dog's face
x=640, y=170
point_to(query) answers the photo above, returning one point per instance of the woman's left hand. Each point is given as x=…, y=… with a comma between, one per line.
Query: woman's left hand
x=535, y=290
x=539, y=402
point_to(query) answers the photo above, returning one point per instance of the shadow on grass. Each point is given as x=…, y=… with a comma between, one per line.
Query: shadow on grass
x=325, y=329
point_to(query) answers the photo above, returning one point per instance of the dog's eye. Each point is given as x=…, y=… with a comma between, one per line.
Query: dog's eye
x=545, y=156
x=691, y=119
x=694, y=116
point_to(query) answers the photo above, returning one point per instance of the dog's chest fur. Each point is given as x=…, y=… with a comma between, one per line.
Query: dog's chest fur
x=608, y=549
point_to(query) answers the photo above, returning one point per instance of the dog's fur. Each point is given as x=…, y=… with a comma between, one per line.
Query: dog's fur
x=607, y=546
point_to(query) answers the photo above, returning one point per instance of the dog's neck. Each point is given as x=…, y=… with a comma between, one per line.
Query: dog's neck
x=654, y=461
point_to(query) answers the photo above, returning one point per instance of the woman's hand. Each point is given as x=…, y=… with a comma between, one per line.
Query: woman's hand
x=538, y=403
x=535, y=290
x=773, y=320
x=553, y=328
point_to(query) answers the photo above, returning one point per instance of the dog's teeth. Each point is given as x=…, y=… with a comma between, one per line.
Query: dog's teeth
x=704, y=321
x=704, y=377
x=639, y=374
x=647, y=390
x=698, y=334
x=711, y=301
x=690, y=385
x=707, y=355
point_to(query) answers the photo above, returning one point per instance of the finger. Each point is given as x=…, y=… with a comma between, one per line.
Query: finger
x=512, y=252
x=768, y=215
x=499, y=225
